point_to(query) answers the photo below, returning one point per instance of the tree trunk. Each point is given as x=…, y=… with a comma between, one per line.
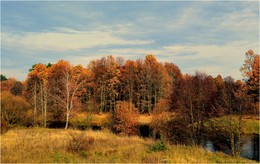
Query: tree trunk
x=35, y=104
x=67, y=101
x=101, y=99
x=42, y=102
x=45, y=106
x=114, y=102
x=155, y=96
x=192, y=123
x=130, y=97
x=111, y=100
x=67, y=120
x=238, y=151
x=232, y=142
x=148, y=98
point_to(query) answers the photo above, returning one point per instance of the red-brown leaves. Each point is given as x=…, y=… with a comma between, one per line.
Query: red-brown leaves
x=125, y=120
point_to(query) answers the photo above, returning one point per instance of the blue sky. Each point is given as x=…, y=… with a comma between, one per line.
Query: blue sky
x=206, y=36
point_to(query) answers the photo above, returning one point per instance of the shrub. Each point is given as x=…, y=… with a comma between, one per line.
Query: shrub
x=124, y=117
x=13, y=109
x=160, y=122
x=158, y=146
x=79, y=142
x=170, y=127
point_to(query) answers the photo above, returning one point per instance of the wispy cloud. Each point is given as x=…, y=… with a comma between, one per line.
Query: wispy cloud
x=214, y=59
x=66, y=39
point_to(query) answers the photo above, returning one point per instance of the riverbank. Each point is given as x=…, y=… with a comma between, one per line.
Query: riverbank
x=35, y=145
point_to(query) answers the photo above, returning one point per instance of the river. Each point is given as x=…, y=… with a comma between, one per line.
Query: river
x=249, y=146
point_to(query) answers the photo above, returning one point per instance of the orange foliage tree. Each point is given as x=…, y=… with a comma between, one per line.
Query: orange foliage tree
x=250, y=70
x=37, y=92
x=107, y=74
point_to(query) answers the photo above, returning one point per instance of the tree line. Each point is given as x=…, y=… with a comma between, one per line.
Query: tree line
x=56, y=92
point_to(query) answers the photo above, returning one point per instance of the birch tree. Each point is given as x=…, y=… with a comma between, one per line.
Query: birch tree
x=70, y=81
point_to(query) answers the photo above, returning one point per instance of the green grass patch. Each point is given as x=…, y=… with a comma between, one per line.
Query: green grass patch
x=249, y=125
x=158, y=146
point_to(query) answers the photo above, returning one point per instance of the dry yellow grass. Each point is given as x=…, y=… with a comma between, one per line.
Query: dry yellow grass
x=100, y=119
x=35, y=145
x=145, y=119
x=91, y=119
x=105, y=118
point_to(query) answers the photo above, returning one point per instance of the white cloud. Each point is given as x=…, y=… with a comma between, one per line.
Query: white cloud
x=66, y=39
x=133, y=51
x=208, y=51
x=213, y=59
x=177, y=48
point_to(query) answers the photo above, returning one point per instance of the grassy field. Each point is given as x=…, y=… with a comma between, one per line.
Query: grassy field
x=36, y=145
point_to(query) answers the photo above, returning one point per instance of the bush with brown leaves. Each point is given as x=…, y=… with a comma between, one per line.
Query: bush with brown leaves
x=125, y=119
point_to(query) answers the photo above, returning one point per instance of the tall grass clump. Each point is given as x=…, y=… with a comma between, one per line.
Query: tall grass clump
x=79, y=142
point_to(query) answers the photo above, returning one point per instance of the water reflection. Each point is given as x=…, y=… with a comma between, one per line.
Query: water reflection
x=209, y=146
x=249, y=148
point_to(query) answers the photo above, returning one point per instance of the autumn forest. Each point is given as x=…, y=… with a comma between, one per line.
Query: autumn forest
x=142, y=97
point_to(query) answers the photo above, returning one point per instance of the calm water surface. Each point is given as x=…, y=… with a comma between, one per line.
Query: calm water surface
x=249, y=149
